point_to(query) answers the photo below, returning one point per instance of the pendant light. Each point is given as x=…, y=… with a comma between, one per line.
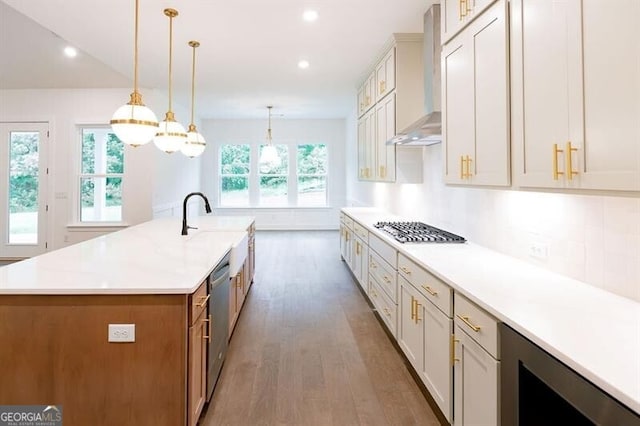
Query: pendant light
x=269, y=155
x=195, y=143
x=134, y=123
x=171, y=134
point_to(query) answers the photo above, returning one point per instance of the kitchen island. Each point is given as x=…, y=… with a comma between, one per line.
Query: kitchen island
x=55, y=311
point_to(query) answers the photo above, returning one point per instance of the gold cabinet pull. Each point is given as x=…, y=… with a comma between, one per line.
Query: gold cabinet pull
x=383, y=86
x=413, y=308
x=453, y=349
x=469, y=166
x=386, y=279
x=462, y=161
x=405, y=270
x=418, y=311
x=462, y=11
x=556, y=150
x=346, y=235
x=208, y=320
x=374, y=293
x=468, y=322
x=383, y=171
x=430, y=290
x=386, y=311
x=568, y=152
x=203, y=301
x=468, y=6
x=373, y=265
x=358, y=248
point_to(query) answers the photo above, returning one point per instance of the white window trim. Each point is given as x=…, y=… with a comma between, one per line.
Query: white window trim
x=254, y=175
x=76, y=202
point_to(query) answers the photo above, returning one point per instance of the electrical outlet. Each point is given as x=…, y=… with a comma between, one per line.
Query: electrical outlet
x=539, y=250
x=122, y=332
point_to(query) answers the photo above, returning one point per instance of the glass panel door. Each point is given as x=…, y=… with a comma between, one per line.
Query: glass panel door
x=22, y=189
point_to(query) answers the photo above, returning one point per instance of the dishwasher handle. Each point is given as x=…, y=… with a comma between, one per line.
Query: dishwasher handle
x=219, y=276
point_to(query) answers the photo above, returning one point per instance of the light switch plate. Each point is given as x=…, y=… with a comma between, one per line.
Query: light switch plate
x=122, y=333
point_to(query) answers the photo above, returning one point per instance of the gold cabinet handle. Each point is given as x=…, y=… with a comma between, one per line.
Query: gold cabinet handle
x=367, y=101
x=383, y=86
x=469, y=166
x=383, y=172
x=468, y=6
x=463, y=10
x=346, y=235
x=468, y=322
x=556, y=150
x=413, y=308
x=568, y=152
x=374, y=293
x=386, y=279
x=208, y=320
x=386, y=311
x=373, y=265
x=418, y=311
x=405, y=270
x=462, y=167
x=358, y=248
x=203, y=301
x=430, y=290
x=453, y=349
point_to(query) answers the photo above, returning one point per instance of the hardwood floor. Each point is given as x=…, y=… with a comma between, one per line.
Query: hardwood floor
x=307, y=348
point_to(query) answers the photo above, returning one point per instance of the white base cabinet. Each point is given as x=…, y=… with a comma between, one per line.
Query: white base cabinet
x=475, y=384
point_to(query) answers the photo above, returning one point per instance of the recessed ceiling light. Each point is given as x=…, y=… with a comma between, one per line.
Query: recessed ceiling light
x=310, y=15
x=70, y=52
x=303, y=64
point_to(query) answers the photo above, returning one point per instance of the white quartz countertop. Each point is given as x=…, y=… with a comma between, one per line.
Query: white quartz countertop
x=150, y=258
x=595, y=332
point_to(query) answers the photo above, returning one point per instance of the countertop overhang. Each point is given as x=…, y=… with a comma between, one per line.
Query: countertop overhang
x=594, y=332
x=149, y=258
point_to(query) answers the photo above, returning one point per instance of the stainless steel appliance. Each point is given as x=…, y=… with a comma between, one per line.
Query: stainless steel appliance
x=219, y=281
x=538, y=389
x=418, y=232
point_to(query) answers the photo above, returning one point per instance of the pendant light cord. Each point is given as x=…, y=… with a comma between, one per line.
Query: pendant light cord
x=170, y=56
x=193, y=78
x=135, y=53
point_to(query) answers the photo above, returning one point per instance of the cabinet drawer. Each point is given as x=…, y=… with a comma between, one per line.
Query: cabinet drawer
x=384, y=274
x=478, y=324
x=386, y=308
x=198, y=302
x=361, y=232
x=348, y=222
x=431, y=287
x=388, y=253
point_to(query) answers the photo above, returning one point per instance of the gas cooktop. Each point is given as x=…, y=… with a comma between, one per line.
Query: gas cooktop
x=418, y=232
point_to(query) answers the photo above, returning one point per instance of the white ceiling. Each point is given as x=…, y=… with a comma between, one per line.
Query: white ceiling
x=247, y=59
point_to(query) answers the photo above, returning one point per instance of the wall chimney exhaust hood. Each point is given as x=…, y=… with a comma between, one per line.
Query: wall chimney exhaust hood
x=427, y=130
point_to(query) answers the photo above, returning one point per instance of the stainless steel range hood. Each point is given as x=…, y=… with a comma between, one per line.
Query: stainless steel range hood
x=427, y=130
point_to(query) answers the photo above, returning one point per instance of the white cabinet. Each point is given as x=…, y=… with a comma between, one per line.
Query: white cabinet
x=386, y=74
x=385, y=130
x=476, y=365
x=576, y=119
x=398, y=101
x=456, y=14
x=425, y=330
x=367, y=94
x=360, y=262
x=475, y=102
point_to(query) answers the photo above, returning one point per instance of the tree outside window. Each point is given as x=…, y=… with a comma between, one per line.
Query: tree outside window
x=234, y=175
x=312, y=175
x=274, y=179
x=101, y=174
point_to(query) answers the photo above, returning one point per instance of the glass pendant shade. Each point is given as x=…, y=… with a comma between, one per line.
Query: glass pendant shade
x=170, y=136
x=133, y=124
x=195, y=143
x=269, y=155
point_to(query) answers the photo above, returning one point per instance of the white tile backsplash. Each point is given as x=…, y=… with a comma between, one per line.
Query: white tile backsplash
x=592, y=238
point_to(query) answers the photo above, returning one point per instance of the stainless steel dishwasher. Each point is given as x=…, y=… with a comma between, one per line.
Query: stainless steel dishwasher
x=219, y=311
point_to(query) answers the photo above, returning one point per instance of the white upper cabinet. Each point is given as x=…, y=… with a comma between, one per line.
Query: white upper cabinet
x=386, y=129
x=456, y=14
x=576, y=93
x=475, y=102
x=386, y=74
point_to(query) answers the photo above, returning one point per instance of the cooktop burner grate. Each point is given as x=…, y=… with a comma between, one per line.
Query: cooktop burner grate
x=418, y=232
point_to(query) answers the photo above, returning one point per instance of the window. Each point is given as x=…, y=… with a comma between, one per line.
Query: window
x=101, y=173
x=274, y=179
x=296, y=177
x=234, y=175
x=312, y=175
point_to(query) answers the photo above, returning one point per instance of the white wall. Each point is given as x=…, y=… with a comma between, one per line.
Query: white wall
x=592, y=238
x=329, y=132
x=153, y=179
